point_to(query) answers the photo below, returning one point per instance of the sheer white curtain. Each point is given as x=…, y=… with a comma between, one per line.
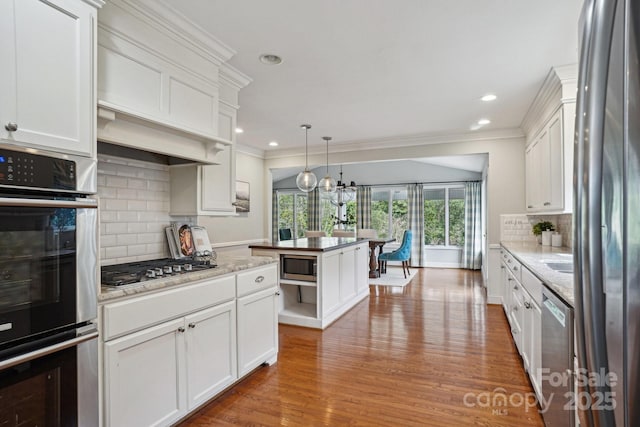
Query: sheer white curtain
x=472, y=253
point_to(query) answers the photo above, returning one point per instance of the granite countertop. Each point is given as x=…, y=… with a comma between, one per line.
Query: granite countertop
x=315, y=244
x=533, y=256
x=226, y=265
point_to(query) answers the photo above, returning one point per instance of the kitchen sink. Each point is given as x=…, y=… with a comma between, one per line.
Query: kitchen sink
x=560, y=267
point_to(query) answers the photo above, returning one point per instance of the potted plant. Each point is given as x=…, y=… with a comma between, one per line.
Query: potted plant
x=540, y=227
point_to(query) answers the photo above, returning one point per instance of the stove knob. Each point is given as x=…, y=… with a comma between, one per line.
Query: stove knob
x=177, y=268
x=158, y=271
x=151, y=274
x=167, y=269
x=187, y=267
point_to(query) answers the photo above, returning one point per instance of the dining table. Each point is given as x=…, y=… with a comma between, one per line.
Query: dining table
x=375, y=249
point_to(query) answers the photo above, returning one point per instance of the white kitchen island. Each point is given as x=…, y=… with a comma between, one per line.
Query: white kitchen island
x=341, y=282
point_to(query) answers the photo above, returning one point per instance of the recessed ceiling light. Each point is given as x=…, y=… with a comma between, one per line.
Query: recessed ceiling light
x=239, y=130
x=273, y=144
x=483, y=122
x=270, y=59
x=489, y=97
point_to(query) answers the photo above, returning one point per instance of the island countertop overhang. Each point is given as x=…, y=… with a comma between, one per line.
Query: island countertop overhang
x=311, y=244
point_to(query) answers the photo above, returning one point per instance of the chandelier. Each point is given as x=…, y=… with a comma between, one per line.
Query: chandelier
x=344, y=193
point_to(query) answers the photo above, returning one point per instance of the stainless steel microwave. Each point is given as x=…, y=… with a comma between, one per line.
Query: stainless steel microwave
x=299, y=267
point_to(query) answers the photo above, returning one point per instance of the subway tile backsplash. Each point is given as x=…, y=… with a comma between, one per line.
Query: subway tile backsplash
x=517, y=227
x=134, y=209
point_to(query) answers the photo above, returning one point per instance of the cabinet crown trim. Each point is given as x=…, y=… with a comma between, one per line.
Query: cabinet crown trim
x=179, y=28
x=559, y=87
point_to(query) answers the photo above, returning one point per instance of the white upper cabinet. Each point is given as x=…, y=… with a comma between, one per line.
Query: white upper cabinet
x=47, y=97
x=549, y=126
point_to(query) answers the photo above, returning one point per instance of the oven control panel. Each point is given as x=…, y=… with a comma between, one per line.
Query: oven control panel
x=33, y=170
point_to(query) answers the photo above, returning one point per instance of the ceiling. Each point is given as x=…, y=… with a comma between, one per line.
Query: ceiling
x=361, y=70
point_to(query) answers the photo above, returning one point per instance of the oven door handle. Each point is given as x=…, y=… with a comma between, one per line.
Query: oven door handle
x=47, y=203
x=17, y=360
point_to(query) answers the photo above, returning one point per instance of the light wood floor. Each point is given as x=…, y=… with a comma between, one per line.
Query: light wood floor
x=430, y=354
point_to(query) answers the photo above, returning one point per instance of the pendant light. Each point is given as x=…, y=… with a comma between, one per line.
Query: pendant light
x=327, y=184
x=306, y=180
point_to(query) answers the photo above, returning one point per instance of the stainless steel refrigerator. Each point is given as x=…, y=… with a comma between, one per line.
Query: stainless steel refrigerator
x=607, y=215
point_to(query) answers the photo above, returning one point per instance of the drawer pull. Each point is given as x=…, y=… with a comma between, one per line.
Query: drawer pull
x=278, y=293
x=192, y=325
x=180, y=329
x=259, y=279
x=11, y=127
x=527, y=305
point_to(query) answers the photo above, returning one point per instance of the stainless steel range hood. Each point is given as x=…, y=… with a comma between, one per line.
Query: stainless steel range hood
x=126, y=135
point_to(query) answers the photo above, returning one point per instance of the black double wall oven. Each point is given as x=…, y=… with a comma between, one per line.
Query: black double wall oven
x=48, y=286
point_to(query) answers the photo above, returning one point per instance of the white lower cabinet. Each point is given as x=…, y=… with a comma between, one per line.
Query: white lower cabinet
x=347, y=274
x=522, y=295
x=159, y=374
x=167, y=353
x=211, y=352
x=145, y=381
x=257, y=329
x=362, y=275
x=331, y=276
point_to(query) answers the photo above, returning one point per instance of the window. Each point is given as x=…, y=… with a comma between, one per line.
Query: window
x=444, y=216
x=331, y=211
x=292, y=212
x=389, y=212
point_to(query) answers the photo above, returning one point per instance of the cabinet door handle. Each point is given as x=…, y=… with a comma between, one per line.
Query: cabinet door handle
x=180, y=329
x=515, y=287
x=547, y=203
x=513, y=332
x=527, y=305
x=502, y=267
x=11, y=126
x=529, y=207
x=278, y=293
x=515, y=268
x=515, y=308
x=509, y=261
x=192, y=325
x=259, y=279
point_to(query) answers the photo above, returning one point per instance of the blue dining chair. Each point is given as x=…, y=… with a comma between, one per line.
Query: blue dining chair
x=403, y=253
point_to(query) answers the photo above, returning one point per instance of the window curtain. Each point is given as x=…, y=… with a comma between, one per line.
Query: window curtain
x=313, y=209
x=472, y=252
x=275, y=236
x=363, y=207
x=415, y=218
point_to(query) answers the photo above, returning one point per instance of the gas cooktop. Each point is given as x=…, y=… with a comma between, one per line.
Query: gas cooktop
x=142, y=271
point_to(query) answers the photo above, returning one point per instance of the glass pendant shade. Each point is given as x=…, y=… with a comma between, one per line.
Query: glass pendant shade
x=306, y=180
x=327, y=184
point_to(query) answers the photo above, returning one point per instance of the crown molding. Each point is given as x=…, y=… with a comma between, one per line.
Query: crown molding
x=250, y=151
x=234, y=77
x=95, y=3
x=180, y=29
x=402, y=141
x=558, y=88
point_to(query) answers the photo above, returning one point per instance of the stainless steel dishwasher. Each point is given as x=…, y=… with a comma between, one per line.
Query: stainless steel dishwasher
x=557, y=360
